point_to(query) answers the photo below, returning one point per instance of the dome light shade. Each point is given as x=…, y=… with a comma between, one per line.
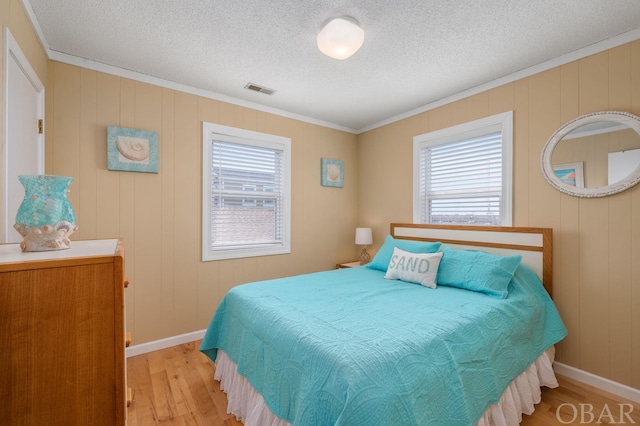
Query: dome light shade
x=340, y=38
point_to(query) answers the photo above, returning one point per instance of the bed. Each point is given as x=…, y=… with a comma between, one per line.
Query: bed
x=379, y=345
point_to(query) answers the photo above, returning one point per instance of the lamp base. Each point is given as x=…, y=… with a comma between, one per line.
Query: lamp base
x=364, y=256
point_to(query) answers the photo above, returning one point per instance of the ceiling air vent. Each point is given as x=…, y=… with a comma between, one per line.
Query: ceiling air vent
x=257, y=88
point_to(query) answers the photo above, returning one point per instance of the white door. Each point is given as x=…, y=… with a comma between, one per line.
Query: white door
x=24, y=144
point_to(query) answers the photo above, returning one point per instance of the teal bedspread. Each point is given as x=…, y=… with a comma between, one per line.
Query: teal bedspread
x=347, y=347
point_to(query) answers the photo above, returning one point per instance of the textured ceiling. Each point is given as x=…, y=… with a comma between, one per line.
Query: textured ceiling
x=415, y=51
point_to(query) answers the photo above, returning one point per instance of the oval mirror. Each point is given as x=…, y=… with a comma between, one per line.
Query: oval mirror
x=594, y=155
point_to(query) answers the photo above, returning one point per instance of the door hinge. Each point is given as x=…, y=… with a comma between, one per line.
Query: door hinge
x=40, y=126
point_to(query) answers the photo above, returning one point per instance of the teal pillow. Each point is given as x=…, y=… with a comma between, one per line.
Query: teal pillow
x=477, y=271
x=383, y=256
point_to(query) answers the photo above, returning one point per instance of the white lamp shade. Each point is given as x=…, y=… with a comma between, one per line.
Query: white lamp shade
x=340, y=38
x=364, y=236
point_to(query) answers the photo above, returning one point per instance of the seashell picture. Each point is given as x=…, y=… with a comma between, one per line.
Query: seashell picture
x=332, y=173
x=132, y=150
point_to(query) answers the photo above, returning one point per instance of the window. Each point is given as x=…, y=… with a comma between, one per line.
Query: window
x=245, y=193
x=249, y=202
x=462, y=174
x=268, y=202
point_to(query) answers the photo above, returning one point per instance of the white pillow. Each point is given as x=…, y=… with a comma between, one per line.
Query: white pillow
x=419, y=268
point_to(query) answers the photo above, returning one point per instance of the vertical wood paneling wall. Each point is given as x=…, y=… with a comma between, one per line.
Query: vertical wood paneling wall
x=596, y=241
x=159, y=215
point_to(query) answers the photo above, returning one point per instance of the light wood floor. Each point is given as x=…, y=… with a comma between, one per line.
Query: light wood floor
x=175, y=386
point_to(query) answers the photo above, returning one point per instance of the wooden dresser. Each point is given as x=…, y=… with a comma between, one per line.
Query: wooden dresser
x=62, y=335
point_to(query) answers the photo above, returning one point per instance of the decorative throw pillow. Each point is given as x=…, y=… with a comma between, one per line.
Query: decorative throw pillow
x=383, y=256
x=477, y=271
x=419, y=268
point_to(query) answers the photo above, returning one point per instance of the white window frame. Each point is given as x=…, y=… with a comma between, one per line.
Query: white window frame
x=502, y=122
x=220, y=132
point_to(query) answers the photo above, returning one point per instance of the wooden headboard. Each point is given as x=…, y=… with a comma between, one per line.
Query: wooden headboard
x=535, y=245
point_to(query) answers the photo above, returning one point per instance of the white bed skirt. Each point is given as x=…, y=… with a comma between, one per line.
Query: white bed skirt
x=519, y=397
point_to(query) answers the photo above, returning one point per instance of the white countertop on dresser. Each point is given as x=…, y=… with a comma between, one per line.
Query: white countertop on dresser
x=10, y=253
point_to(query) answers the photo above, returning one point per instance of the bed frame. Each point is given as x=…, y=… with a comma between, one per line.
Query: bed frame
x=535, y=245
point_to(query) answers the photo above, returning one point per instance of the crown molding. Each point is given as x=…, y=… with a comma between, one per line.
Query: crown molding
x=527, y=72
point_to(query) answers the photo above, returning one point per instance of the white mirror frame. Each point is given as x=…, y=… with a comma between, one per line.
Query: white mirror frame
x=547, y=168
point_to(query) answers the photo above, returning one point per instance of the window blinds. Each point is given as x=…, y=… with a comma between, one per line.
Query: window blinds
x=461, y=182
x=247, y=190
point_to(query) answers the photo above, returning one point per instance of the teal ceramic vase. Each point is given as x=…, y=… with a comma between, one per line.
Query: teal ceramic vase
x=45, y=218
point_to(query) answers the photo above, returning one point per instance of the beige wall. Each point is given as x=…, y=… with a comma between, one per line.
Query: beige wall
x=159, y=215
x=597, y=282
x=596, y=241
x=13, y=17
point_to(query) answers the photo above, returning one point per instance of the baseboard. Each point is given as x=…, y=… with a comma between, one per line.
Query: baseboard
x=163, y=343
x=607, y=385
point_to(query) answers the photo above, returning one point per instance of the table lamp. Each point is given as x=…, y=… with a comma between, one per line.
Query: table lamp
x=364, y=238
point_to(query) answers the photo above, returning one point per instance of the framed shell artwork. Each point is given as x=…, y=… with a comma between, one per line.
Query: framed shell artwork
x=332, y=173
x=132, y=150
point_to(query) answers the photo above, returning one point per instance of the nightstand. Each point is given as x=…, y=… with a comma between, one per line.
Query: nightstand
x=348, y=265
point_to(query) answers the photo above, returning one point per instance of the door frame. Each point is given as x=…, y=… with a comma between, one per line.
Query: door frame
x=12, y=51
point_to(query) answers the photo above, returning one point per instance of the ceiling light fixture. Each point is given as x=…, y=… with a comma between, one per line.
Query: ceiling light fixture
x=340, y=38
